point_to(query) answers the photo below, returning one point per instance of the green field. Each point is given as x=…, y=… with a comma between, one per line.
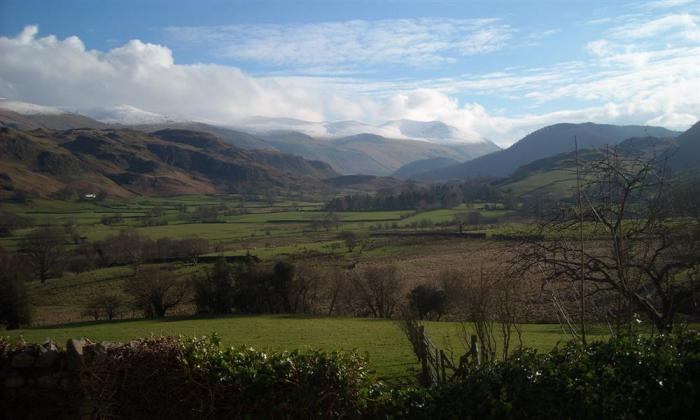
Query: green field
x=271, y=231
x=389, y=351
x=264, y=229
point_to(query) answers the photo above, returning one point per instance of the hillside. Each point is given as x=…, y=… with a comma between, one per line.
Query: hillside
x=557, y=174
x=368, y=153
x=350, y=147
x=405, y=129
x=687, y=156
x=548, y=141
x=51, y=121
x=122, y=162
x=419, y=166
x=234, y=137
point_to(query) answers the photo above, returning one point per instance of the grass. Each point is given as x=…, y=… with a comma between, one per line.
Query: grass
x=388, y=350
x=559, y=182
x=270, y=231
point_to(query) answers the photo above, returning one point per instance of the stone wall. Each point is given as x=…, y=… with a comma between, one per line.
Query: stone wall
x=41, y=381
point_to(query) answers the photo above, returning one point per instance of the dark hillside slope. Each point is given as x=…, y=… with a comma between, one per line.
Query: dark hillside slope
x=548, y=141
x=236, y=138
x=557, y=174
x=124, y=162
x=423, y=165
x=687, y=155
x=63, y=121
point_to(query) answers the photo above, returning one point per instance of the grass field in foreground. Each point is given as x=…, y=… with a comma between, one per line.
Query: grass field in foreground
x=389, y=351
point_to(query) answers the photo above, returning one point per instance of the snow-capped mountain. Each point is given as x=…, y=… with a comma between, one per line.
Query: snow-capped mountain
x=120, y=114
x=264, y=125
x=432, y=131
x=26, y=108
x=125, y=115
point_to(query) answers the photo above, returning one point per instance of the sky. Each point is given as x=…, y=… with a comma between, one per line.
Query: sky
x=495, y=69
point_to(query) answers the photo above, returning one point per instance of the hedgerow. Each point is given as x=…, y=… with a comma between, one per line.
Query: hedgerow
x=623, y=378
x=185, y=378
x=165, y=377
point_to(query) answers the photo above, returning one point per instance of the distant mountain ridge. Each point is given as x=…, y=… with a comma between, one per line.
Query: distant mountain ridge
x=430, y=131
x=547, y=141
x=679, y=157
x=369, y=153
x=353, y=147
x=124, y=115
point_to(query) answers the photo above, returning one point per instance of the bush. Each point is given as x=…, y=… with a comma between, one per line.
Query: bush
x=427, y=302
x=623, y=378
x=174, y=378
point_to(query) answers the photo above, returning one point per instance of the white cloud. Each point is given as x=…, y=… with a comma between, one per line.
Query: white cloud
x=49, y=71
x=680, y=25
x=667, y=4
x=600, y=47
x=619, y=86
x=412, y=42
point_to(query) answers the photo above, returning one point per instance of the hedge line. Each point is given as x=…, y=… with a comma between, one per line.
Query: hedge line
x=176, y=378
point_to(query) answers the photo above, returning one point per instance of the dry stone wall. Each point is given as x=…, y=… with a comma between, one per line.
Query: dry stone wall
x=41, y=381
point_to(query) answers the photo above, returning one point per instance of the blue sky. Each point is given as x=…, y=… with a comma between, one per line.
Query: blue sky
x=495, y=69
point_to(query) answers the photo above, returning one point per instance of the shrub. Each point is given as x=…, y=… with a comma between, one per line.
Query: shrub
x=623, y=378
x=427, y=302
x=173, y=378
x=177, y=378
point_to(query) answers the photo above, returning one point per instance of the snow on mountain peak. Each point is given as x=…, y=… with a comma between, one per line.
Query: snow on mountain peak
x=125, y=114
x=25, y=108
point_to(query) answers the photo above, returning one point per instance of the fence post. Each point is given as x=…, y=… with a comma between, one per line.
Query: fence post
x=442, y=365
x=424, y=356
x=474, y=351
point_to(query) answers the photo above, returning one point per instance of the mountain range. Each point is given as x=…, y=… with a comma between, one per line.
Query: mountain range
x=556, y=174
x=350, y=147
x=264, y=152
x=547, y=141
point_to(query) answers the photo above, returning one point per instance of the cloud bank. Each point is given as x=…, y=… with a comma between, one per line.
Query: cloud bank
x=621, y=80
x=349, y=44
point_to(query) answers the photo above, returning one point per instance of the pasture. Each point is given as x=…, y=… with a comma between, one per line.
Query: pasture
x=241, y=226
x=388, y=350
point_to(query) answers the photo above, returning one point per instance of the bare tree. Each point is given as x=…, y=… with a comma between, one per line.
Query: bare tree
x=15, y=305
x=155, y=290
x=191, y=248
x=106, y=305
x=634, y=248
x=306, y=290
x=495, y=303
x=45, y=248
x=378, y=290
x=350, y=238
x=336, y=289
